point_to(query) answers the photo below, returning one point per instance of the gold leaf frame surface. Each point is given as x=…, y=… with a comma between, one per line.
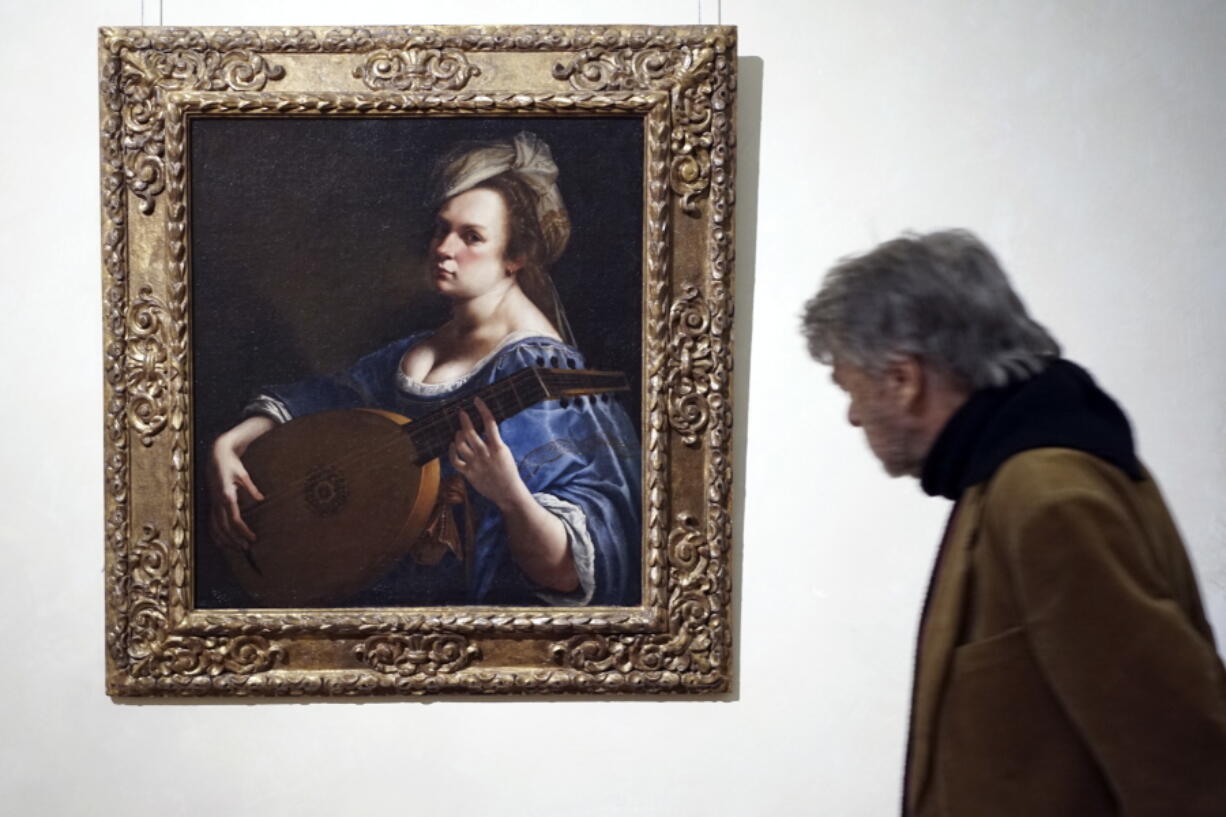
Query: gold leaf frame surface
x=681, y=81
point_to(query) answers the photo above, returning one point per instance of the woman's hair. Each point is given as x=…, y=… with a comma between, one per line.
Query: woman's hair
x=941, y=297
x=522, y=171
x=526, y=243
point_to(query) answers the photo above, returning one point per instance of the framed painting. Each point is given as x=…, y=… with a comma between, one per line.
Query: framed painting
x=417, y=360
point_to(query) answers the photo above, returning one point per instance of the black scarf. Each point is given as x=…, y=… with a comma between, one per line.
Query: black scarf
x=1060, y=407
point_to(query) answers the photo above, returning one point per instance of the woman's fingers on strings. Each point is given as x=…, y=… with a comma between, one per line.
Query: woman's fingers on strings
x=490, y=425
x=237, y=525
x=222, y=534
x=468, y=434
x=244, y=479
x=222, y=509
x=456, y=462
x=227, y=477
x=246, y=531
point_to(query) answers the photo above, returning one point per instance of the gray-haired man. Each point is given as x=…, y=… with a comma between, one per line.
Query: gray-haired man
x=1064, y=666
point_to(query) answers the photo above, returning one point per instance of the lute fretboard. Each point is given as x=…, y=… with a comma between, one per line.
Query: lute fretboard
x=505, y=398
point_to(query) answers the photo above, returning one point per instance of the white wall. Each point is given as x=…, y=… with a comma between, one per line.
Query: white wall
x=1082, y=140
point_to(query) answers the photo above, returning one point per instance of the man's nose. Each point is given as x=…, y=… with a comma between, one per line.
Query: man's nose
x=853, y=416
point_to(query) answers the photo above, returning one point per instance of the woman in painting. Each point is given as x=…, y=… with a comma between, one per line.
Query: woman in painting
x=548, y=499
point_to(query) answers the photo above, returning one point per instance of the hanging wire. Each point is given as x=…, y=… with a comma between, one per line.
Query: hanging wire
x=719, y=12
x=145, y=22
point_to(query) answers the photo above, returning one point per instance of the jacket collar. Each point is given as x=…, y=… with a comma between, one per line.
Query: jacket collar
x=1060, y=407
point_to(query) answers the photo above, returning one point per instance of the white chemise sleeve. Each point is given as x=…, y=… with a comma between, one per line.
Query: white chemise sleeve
x=582, y=550
x=271, y=407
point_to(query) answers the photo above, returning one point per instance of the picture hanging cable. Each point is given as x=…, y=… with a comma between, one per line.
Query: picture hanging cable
x=143, y=3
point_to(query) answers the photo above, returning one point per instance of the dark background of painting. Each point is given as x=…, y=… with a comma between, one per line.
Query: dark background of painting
x=307, y=238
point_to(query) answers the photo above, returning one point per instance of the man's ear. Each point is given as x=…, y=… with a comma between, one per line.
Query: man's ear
x=906, y=381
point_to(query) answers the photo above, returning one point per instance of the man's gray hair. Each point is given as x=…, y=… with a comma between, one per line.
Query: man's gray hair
x=941, y=297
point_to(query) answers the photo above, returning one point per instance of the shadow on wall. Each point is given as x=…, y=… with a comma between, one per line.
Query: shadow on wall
x=748, y=149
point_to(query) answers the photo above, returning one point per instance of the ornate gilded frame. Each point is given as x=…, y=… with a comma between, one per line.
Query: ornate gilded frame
x=681, y=81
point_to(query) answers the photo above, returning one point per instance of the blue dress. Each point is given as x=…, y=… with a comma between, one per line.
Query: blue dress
x=581, y=461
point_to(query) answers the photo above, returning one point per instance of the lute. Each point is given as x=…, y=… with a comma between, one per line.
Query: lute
x=348, y=492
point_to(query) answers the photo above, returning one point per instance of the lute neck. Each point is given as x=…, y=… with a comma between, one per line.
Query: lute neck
x=505, y=398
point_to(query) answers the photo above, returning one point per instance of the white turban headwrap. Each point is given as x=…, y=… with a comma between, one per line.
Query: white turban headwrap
x=531, y=161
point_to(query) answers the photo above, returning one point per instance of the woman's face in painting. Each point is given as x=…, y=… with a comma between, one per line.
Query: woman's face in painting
x=469, y=244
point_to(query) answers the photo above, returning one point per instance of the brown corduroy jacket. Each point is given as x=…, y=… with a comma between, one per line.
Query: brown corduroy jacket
x=1065, y=667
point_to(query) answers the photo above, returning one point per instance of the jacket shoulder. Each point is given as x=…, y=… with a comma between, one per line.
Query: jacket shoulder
x=1047, y=486
x=1053, y=474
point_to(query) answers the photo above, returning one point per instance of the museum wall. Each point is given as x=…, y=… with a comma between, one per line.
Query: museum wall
x=1081, y=140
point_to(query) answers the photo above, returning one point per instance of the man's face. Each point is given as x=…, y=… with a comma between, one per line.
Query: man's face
x=878, y=407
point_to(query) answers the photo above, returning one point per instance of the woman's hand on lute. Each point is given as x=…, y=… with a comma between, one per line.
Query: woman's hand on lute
x=537, y=539
x=226, y=475
x=485, y=460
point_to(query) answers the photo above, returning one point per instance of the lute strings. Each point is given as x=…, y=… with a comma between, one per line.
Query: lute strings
x=505, y=398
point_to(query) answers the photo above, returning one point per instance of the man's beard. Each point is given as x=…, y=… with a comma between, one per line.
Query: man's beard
x=897, y=447
x=902, y=462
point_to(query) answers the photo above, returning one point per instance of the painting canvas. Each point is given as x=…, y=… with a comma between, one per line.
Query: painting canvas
x=417, y=359
x=312, y=248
